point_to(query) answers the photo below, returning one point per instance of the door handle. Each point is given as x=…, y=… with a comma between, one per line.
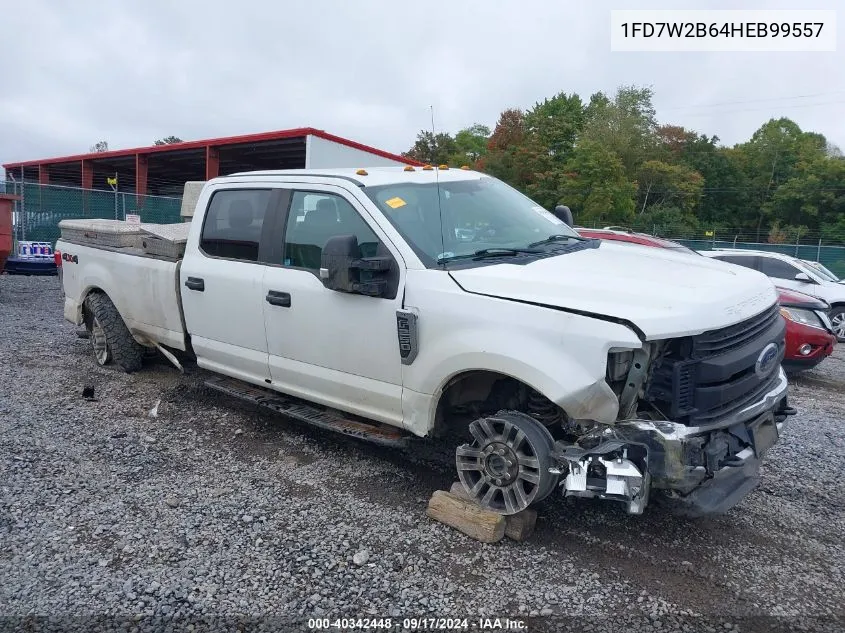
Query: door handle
x=277, y=298
x=195, y=283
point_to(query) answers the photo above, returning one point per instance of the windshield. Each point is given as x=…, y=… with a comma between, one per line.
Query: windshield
x=822, y=270
x=683, y=249
x=473, y=215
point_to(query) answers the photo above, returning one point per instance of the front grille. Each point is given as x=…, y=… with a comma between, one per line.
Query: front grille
x=736, y=404
x=703, y=378
x=733, y=336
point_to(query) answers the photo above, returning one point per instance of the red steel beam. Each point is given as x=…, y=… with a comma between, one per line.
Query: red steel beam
x=141, y=170
x=87, y=174
x=212, y=162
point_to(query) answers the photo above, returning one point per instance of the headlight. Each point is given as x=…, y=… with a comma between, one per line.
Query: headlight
x=804, y=317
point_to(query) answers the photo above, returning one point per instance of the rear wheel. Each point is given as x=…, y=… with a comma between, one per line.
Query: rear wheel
x=506, y=467
x=99, y=345
x=111, y=341
x=837, y=320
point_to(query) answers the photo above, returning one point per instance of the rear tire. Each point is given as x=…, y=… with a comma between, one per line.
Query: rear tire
x=506, y=468
x=111, y=341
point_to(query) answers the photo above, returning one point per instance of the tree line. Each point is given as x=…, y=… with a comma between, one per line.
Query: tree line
x=612, y=163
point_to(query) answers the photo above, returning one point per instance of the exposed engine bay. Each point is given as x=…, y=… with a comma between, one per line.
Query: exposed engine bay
x=695, y=416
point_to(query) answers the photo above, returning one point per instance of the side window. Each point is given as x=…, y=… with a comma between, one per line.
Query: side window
x=777, y=268
x=233, y=222
x=739, y=260
x=314, y=218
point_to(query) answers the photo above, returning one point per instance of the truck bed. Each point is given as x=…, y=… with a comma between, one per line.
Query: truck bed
x=143, y=287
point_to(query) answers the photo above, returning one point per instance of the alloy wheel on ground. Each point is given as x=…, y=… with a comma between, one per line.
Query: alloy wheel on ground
x=99, y=343
x=506, y=467
x=837, y=320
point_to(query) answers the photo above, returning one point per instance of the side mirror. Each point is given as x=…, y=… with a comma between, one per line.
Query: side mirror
x=804, y=277
x=341, y=268
x=563, y=213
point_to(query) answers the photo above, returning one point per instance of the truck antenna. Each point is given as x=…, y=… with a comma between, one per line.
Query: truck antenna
x=437, y=181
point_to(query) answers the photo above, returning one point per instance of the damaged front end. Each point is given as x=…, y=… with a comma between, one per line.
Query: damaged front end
x=696, y=415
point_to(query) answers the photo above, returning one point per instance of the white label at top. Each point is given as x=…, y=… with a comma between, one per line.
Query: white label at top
x=723, y=31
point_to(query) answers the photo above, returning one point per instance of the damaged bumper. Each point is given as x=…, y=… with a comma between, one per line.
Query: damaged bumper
x=704, y=469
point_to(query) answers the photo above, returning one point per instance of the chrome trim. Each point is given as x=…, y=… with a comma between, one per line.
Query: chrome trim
x=676, y=430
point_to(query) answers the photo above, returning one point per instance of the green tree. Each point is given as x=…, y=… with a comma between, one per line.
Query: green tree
x=771, y=157
x=595, y=187
x=556, y=123
x=626, y=125
x=434, y=149
x=517, y=156
x=470, y=144
x=813, y=197
x=99, y=147
x=725, y=196
x=662, y=184
x=669, y=221
x=169, y=140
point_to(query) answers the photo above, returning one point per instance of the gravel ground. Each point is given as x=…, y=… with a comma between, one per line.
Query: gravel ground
x=212, y=510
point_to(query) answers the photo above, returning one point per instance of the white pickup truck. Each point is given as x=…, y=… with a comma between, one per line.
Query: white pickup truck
x=403, y=303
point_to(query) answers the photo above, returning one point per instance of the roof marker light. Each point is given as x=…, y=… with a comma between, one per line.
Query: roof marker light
x=465, y=167
x=361, y=172
x=427, y=168
x=444, y=167
x=409, y=168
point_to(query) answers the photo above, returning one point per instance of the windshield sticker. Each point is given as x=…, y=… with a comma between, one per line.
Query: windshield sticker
x=395, y=203
x=548, y=216
x=445, y=255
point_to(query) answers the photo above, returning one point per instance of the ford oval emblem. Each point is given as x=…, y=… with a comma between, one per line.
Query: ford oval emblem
x=766, y=361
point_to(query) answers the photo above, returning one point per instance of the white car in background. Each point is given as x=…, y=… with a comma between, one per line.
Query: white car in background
x=797, y=274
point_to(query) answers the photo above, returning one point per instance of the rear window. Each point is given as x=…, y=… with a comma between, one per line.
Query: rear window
x=740, y=260
x=233, y=223
x=777, y=268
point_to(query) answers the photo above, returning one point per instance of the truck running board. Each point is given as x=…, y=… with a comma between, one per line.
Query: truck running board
x=324, y=418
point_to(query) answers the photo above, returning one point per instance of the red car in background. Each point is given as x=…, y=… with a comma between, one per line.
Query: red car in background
x=809, y=335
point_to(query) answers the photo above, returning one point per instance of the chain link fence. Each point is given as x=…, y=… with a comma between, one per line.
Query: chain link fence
x=37, y=215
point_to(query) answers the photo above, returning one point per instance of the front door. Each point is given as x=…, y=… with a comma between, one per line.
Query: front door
x=221, y=285
x=335, y=348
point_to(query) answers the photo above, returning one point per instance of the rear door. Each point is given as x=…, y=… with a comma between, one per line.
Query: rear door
x=222, y=283
x=339, y=349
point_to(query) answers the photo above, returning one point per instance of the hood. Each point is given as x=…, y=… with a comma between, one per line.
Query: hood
x=663, y=293
x=795, y=299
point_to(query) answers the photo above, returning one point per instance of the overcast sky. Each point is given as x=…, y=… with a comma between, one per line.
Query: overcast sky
x=130, y=72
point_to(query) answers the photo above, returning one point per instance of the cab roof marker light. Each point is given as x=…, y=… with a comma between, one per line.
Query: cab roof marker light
x=409, y=168
x=466, y=167
x=361, y=172
x=427, y=168
x=444, y=167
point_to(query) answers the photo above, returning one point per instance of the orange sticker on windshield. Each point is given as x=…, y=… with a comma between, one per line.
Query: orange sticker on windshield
x=395, y=203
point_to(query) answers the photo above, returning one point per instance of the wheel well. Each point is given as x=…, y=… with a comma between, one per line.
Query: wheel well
x=475, y=393
x=86, y=314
